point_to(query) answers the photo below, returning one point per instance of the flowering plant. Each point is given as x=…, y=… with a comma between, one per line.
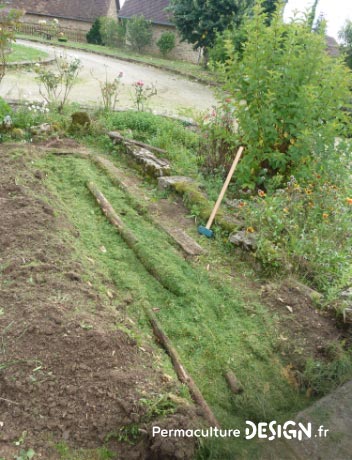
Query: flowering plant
x=110, y=90
x=142, y=94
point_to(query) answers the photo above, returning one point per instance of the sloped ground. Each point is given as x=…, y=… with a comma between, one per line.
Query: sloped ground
x=70, y=371
x=67, y=374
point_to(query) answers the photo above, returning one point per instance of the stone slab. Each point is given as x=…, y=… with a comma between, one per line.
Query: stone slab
x=333, y=412
x=169, y=182
x=187, y=243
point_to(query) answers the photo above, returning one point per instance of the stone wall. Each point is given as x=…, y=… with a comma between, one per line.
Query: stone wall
x=72, y=29
x=183, y=51
x=66, y=23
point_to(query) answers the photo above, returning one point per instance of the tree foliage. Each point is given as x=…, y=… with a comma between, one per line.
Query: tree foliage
x=139, y=32
x=199, y=20
x=94, y=34
x=8, y=21
x=345, y=35
x=166, y=43
x=288, y=96
x=113, y=33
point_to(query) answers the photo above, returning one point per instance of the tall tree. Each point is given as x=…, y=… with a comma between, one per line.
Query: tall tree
x=345, y=35
x=199, y=20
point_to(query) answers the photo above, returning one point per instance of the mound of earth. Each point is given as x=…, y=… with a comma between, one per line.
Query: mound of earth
x=67, y=373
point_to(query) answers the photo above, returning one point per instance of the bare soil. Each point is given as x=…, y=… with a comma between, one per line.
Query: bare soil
x=66, y=373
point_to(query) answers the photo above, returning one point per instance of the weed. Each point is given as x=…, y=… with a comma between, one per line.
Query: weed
x=67, y=453
x=25, y=455
x=157, y=407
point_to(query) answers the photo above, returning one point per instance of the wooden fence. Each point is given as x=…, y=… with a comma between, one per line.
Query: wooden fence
x=42, y=30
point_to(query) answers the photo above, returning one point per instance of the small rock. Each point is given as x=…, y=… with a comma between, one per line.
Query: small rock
x=17, y=133
x=152, y=165
x=44, y=128
x=347, y=315
x=346, y=294
x=7, y=122
x=73, y=276
x=38, y=174
x=169, y=182
x=244, y=239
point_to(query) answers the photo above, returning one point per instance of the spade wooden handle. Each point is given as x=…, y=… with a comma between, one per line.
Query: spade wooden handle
x=224, y=188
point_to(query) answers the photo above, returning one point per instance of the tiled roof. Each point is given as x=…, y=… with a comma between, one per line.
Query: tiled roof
x=84, y=10
x=332, y=46
x=154, y=10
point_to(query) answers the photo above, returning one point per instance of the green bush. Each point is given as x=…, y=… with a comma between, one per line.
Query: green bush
x=139, y=32
x=112, y=32
x=287, y=94
x=94, y=35
x=5, y=109
x=216, y=146
x=166, y=43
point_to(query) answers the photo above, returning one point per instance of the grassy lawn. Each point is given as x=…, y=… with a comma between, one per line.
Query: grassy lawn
x=25, y=53
x=186, y=68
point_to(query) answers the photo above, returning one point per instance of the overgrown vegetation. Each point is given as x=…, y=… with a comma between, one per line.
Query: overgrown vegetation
x=288, y=96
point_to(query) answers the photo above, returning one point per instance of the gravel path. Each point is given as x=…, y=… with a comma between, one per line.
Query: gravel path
x=176, y=94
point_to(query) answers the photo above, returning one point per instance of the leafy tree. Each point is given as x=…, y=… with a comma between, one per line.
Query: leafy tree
x=345, y=35
x=312, y=14
x=8, y=21
x=139, y=32
x=112, y=32
x=166, y=43
x=94, y=35
x=287, y=95
x=199, y=21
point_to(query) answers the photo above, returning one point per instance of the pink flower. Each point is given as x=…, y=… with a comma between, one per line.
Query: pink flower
x=139, y=83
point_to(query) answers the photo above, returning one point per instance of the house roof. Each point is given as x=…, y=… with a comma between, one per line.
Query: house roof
x=80, y=10
x=332, y=46
x=153, y=10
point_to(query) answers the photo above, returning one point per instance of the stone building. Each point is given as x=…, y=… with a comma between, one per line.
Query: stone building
x=73, y=15
x=161, y=19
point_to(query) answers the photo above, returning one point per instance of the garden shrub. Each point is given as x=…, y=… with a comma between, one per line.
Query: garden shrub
x=112, y=32
x=166, y=43
x=94, y=34
x=139, y=32
x=218, y=139
x=5, y=109
x=287, y=94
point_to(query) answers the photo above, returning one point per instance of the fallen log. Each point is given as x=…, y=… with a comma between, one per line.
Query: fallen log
x=116, y=136
x=161, y=273
x=233, y=383
x=180, y=370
